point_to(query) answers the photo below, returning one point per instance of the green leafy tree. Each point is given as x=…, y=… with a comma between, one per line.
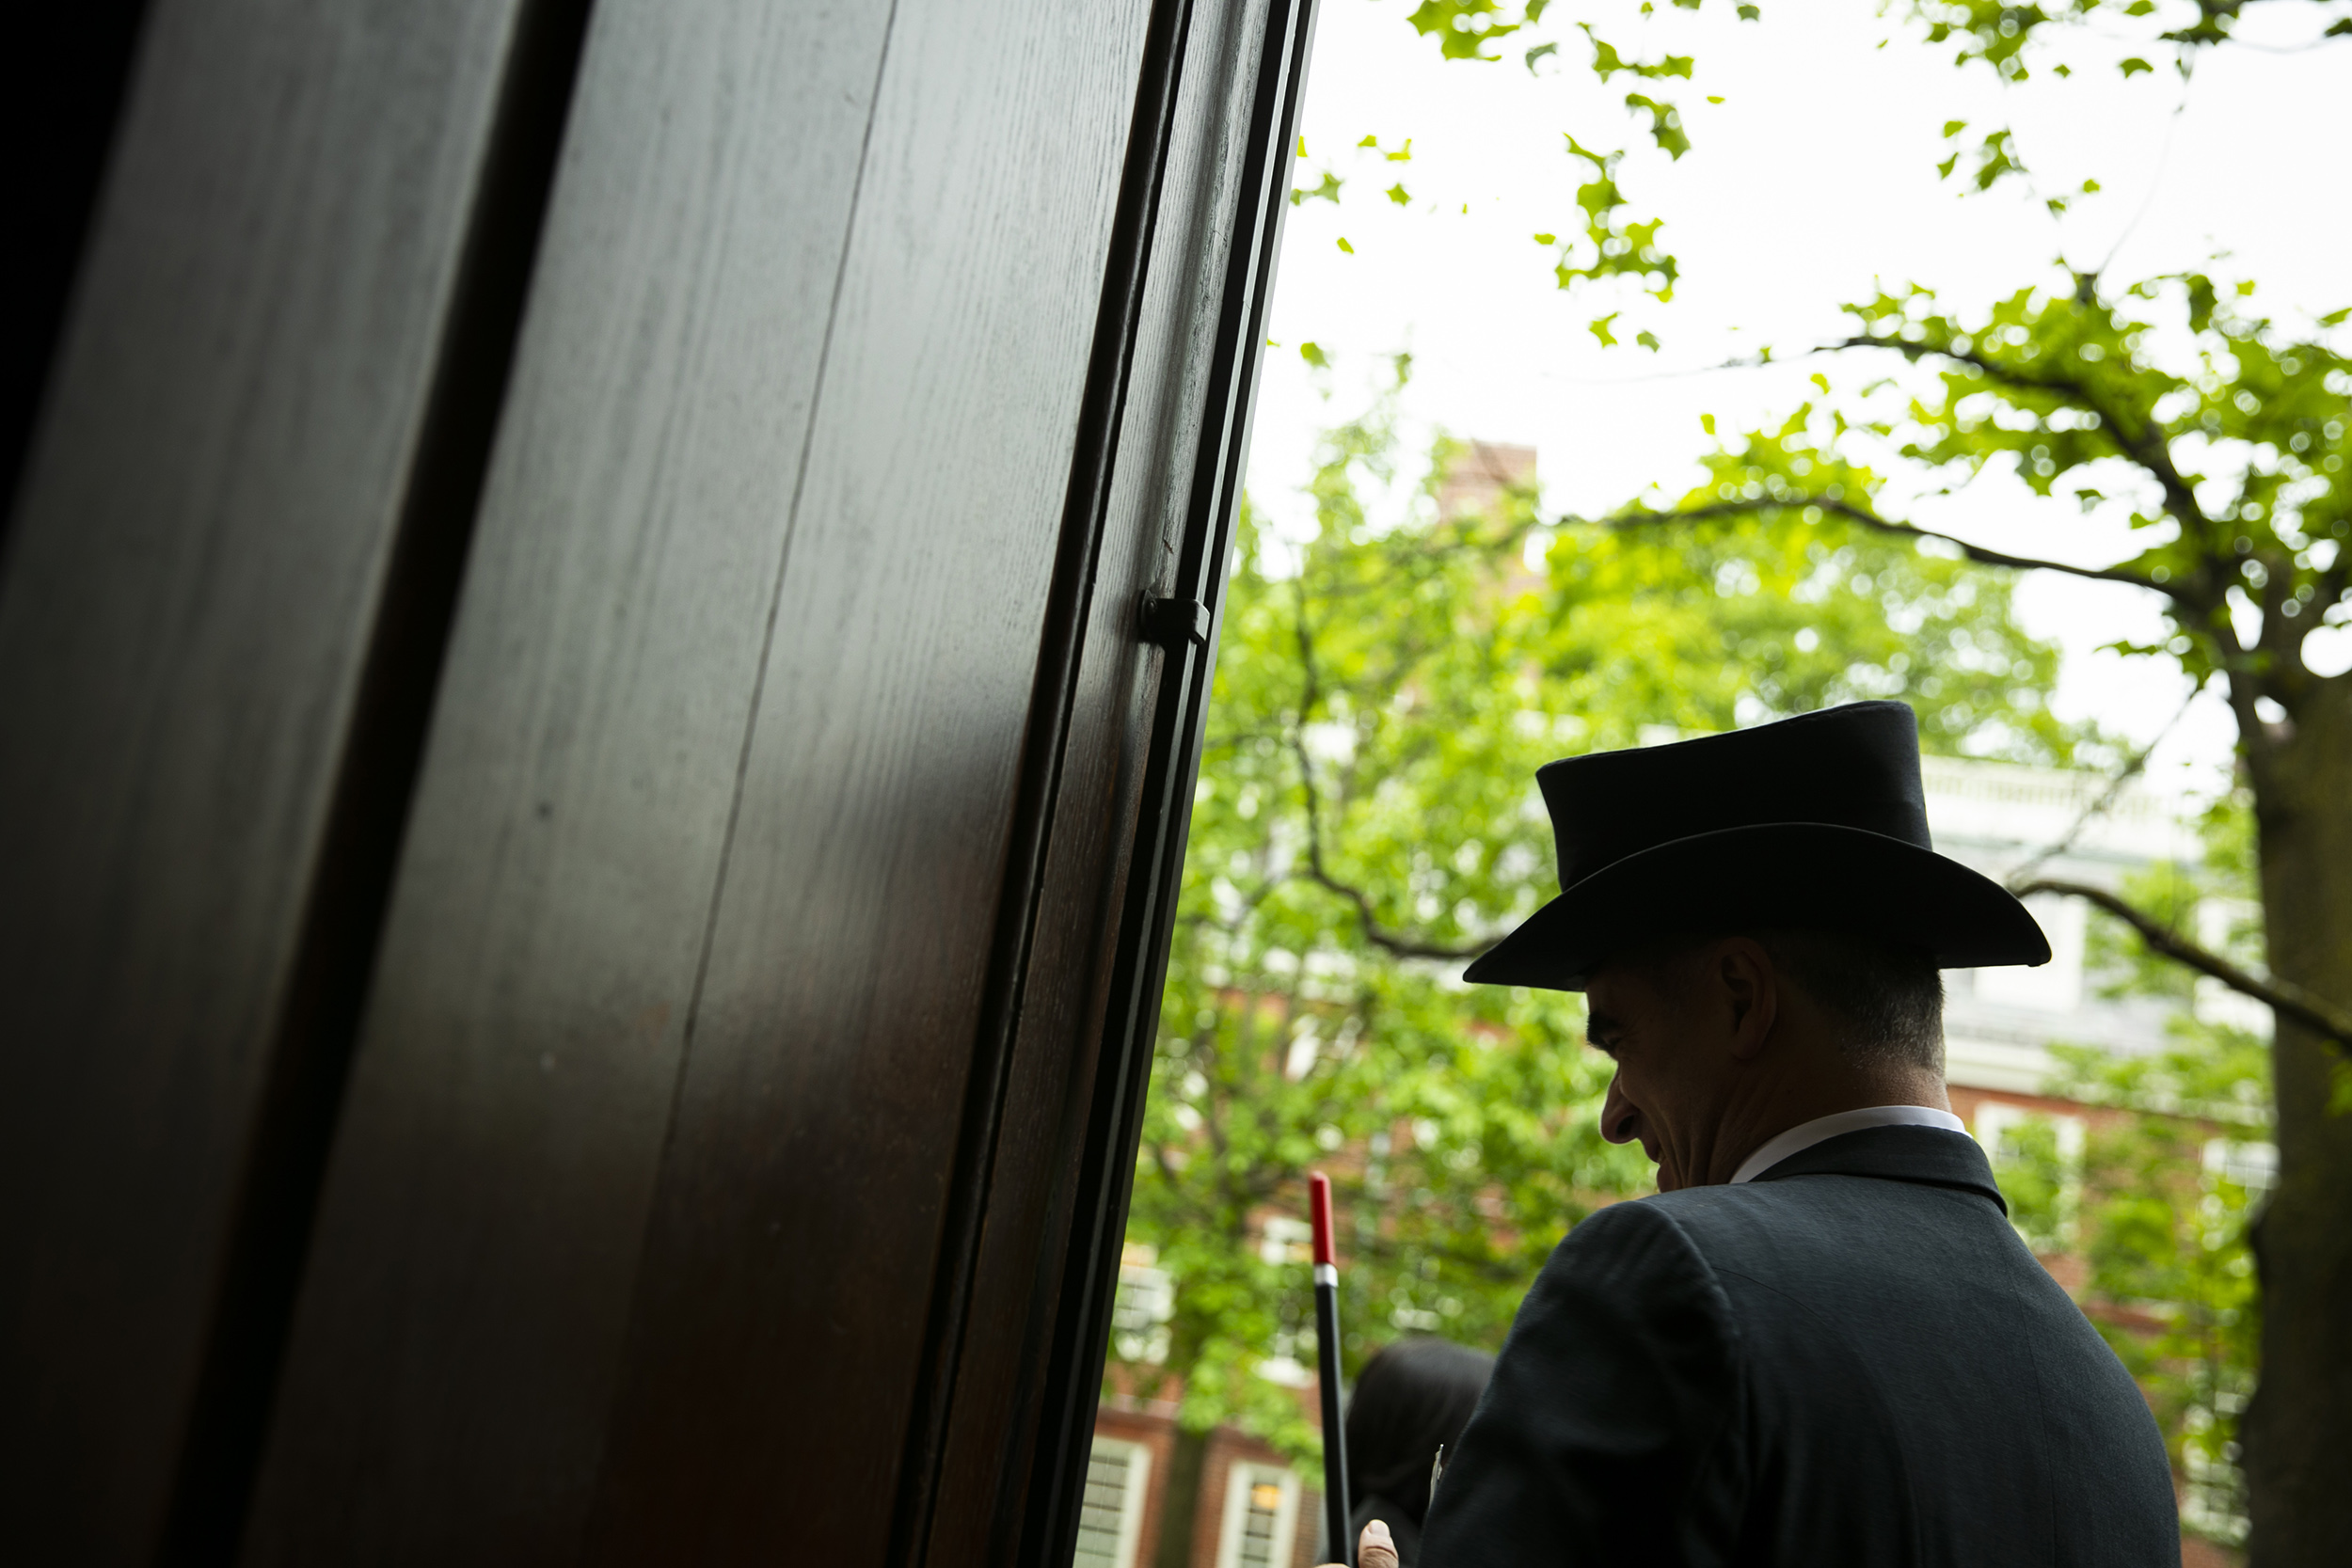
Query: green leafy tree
x=1366, y=821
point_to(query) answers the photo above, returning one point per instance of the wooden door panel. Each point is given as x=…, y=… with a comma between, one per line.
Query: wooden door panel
x=192, y=592
x=786, y=1285
x=988, y=1449
x=460, y=1335
x=575, y=725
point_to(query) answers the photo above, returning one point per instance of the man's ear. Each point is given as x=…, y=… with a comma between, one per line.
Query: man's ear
x=1752, y=987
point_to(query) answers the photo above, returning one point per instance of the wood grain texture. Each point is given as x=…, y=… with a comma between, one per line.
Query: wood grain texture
x=189, y=595
x=62, y=87
x=782, y=1304
x=984, y=1472
x=1243, y=225
x=460, y=1336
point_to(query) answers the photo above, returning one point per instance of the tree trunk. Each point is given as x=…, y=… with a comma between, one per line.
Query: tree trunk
x=2298, y=1433
x=1182, y=1501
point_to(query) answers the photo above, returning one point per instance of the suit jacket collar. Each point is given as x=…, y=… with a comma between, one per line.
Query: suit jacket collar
x=1929, y=1155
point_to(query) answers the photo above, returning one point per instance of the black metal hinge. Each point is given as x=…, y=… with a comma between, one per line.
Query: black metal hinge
x=1172, y=622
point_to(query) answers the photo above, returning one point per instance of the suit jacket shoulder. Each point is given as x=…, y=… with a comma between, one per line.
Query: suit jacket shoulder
x=1852, y=1359
x=1610, y=1410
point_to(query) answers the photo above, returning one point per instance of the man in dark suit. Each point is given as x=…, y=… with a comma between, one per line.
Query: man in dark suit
x=1821, y=1343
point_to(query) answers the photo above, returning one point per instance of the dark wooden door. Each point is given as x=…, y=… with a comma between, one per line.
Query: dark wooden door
x=596, y=789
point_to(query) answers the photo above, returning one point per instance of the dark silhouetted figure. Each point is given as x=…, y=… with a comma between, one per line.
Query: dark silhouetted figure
x=1411, y=1396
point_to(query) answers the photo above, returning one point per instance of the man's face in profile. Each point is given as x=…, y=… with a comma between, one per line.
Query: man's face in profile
x=1643, y=1023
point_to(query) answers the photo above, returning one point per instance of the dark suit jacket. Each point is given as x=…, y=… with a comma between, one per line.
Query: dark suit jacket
x=1850, y=1360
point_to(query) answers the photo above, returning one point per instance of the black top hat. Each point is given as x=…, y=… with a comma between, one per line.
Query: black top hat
x=1813, y=823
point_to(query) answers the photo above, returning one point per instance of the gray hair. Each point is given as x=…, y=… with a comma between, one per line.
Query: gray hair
x=1886, y=1001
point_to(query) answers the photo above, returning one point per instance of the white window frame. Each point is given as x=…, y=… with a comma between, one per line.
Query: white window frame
x=1994, y=1116
x=1140, y=1309
x=1139, y=1492
x=2251, y=1163
x=1244, y=1475
x=2055, y=988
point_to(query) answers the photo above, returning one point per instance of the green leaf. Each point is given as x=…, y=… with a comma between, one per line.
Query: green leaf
x=1547, y=239
x=1328, y=190
x=1647, y=339
x=1666, y=126
x=1997, y=158
x=2134, y=66
x=1953, y=128
x=1750, y=13
x=1398, y=194
x=1598, y=327
x=1368, y=141
x=2201, y=301
x=1462, y=27
x=1538, y=52
x=1706, y=422
x=1344, y=245
x=1403, y=155
x=1314, y=356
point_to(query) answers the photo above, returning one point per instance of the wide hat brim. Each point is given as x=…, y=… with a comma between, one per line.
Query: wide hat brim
x=1776, y=876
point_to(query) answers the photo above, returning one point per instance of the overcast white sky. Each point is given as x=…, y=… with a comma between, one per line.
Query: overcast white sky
x=1811, y=178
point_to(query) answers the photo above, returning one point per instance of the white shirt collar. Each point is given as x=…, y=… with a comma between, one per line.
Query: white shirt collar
x=1806, y=1134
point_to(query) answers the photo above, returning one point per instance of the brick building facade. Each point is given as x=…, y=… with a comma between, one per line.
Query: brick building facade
x=1255, y=1509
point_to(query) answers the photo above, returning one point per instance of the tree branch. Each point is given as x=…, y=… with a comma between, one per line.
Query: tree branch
x=2280, y=642
x=2144, y=446
x=1397, y=943
x=2283, y=997
x=1869, y=519
x=1379, y=935
x=2131, y=770
x=2242, y=684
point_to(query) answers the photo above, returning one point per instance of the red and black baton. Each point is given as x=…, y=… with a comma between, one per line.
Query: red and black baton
x=1335, y=1508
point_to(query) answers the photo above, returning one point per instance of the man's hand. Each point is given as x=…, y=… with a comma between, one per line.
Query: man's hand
x=1374, y=1548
